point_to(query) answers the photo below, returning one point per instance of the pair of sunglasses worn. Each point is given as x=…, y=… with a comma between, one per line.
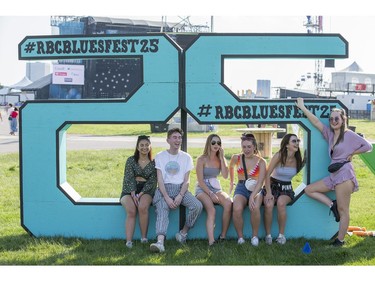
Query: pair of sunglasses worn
x=336, y=119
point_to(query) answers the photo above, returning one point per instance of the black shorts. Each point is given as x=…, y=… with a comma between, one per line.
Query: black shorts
x=140, y=185
x=281, y=188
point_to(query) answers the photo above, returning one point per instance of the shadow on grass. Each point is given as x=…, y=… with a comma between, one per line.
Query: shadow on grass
x=27, y=250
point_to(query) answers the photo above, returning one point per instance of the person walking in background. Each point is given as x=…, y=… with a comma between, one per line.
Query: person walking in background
x=343, y=144
x=208, y=190
x=284, y=165
x=251, y=170
x=9, y=110
x=13, y=119
x=173, y=168
x=138, y=189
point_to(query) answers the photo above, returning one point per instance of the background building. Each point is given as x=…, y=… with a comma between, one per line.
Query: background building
x=263, y=89
x=105, y=78
x=37, y=70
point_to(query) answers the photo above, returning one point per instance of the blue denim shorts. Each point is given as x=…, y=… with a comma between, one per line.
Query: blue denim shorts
x=242, y=190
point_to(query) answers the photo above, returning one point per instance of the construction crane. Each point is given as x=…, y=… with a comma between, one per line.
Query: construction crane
x=314, y=24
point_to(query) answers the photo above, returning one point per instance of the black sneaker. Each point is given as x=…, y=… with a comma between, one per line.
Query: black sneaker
x=338, y=243
x=220, y=239
x=334, y=210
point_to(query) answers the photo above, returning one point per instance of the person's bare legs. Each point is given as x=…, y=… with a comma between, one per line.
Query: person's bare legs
x=282, y=202
x=316, y=191
x=211, y=212
x=343, y=195
x=239, y=203
x=268, y=210
x=131, y=214
x=255, y=216
x=227, y=204
x=143, y=207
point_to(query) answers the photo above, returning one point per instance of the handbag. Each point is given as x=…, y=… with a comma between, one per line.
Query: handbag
x=249, y=183
x=10, y=118
x=334, y=167
x=214, y=182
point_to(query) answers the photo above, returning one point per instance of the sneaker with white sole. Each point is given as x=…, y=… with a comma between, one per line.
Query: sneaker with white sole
x=129, y=244
x=144, y=240
x=281, y=239
x=338, y=243
x=268, y=239
x=181, y=237
x=255, y=241
x=157, y=247
x=240, y=241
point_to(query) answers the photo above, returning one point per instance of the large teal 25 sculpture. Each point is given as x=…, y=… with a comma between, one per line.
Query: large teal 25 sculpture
x=173, y=79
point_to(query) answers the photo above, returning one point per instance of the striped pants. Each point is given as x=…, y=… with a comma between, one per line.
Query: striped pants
x=162, y=209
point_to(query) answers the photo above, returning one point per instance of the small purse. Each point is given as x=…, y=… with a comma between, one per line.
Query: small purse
x=250, y=184
x=214, y=182
x=334, y=167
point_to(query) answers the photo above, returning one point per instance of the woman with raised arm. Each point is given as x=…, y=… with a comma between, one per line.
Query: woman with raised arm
x=343, y=144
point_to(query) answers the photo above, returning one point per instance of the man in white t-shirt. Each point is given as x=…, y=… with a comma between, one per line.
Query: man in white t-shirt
x=173, y=168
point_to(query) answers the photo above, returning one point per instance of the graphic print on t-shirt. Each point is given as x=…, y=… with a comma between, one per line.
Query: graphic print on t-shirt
x=172, y=168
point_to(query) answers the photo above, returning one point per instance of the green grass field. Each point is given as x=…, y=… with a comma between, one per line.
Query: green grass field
x=99, y=169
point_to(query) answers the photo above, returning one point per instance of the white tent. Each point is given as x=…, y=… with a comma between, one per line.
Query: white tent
x=4, y=91
x=24, y=82
x=9, y=95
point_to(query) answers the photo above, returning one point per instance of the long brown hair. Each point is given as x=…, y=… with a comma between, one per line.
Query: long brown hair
x=251, y=137
x=284, y=152
x=136, y=151
x=343, y=127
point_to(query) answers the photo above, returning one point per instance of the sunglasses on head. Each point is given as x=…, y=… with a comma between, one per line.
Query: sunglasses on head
x=247, y=136
x=216, y=142
x=296, y=141
x=143, y=137
x=336, y=119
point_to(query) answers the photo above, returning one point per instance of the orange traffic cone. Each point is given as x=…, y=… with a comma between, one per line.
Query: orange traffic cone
x=364, y=233
x=356, y=228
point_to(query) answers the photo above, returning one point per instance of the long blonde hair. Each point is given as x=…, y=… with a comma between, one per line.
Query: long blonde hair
x=207, y=147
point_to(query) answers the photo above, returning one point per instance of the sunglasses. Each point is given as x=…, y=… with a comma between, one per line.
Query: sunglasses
x=296, y=141
x=216, y=142
x=245, y=137
x=336, y=119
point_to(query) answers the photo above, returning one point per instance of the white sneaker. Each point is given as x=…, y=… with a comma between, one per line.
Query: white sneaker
x=268, y=239
x=181, y=237
x=144, y=240
x=129, y=244
x=240, y=241
x=157, y=247
x=281, y=239
x=255, y=241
